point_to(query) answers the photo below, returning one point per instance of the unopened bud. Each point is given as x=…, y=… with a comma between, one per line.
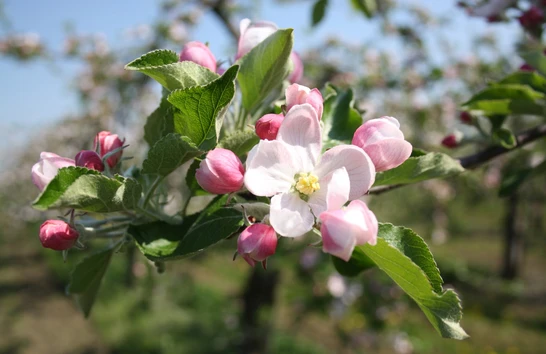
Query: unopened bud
x=58, y=235
x=108, y=142
x=256, y=243
x=531, y=18
x=46, y=169
x=221, y=172
x=199, y=53
x=89, y=159
x=299, y=94
x=465, y=117
x=450, y=141
x=268, y=126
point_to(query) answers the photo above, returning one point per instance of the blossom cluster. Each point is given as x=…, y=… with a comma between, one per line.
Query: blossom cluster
x=307, y=186
x=57, y=234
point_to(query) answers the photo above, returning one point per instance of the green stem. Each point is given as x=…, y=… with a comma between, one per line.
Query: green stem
x=151, y=191
x=149, y=213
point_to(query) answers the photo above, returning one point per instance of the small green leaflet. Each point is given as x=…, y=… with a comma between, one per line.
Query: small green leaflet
x=169, y=153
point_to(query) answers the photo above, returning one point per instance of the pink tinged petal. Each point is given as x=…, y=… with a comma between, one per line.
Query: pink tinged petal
x=358, y=212
x=388, y=153
x=301, y=130
x=333, y=192
x=299, y=94
x=358, y=164
x=290, y=216
x=376, y=130
x=221, y=172
x=46, y=169
x=256, y=243
x=338, y=235
x=252, y=34
x=270, y=168
x=297, y=68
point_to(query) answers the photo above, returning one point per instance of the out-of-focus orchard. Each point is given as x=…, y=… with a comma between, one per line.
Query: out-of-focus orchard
x=486, y=226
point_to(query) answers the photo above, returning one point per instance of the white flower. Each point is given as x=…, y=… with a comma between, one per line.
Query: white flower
x=301, y=182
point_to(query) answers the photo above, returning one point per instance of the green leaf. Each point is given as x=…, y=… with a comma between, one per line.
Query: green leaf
x=537, y=60
x=535, y=81
x=201, y=109
x=340, y=119
x=512, y=179
x=358, y=263
x=506, y=99
x=264, y=68
x=319, y=10
x=160, y=241
x=240, y=142
x=159, y=123
x=420, y=168
x=164, y=67
x=169, y=153
x=191, y=181
x=367, y=7
x=86, y=278
x=504, y=138
x=405, y=257
x=88, y=190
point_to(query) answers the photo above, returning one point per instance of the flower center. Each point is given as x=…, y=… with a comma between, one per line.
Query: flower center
x=307, y=183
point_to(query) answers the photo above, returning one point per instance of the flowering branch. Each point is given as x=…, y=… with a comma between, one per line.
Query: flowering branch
x=481, y=157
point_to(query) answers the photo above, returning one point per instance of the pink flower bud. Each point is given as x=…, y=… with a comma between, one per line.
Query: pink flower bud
x=221, y=172
x=526, y=67
x=343, y=229
x=268, y=126
x=531, y=18
x=297, y=71
x=252, y=34
x=58, y=235
x=89, y=159
x=109, y=142
x=451, y=141
x=298, y=94
x=46, y=169
x=383, y=141
x=256, y=243
x=465, y=117
x=200, y=54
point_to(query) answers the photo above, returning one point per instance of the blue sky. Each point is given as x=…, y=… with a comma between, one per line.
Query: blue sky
x=37, y=93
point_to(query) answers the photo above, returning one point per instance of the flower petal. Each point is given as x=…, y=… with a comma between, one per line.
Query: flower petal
x=290, y=216
x=270, y=168
x=301, y=130
x=338, y=235
x=388, y=153
x=333, y=192
x=358, y=212
x=358, y=164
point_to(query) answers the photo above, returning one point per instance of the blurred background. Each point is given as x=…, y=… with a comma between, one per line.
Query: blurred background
x=61, y=64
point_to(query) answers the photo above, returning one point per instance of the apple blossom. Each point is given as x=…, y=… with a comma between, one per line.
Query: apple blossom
x=256, y=243
x=298, y=94
x=46, y=169
x=297, y=68
x=89, y=159
x=268, y=126
x=343, y=229
x=451, y=141
x=301, y=182
x=252, y=34
x=58, y=235
x=221, y=172
x=107, y=142
x=531, y=18
x=198, y=53
x=465, y=117
x=383, y=141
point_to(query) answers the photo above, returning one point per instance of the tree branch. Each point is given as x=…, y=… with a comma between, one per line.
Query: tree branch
x=481, y=157
x=220, y=10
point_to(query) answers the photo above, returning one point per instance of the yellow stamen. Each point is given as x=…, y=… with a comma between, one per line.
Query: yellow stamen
x=307, y=183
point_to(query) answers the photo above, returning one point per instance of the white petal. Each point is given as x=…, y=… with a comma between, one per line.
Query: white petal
x=301, y=130
x=290, y=216
x=358, y=164
x=333, y=192
x=270, y=168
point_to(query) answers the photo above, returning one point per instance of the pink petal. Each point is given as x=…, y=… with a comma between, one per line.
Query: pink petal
x=297, y=70
x=290, y=216
x=252, y=34
x=270, y=168
x=357, y=211
x=338, y=236
x=359, y=167
x=376, y=130
x=388, y=153
x=333, y=192
x=301, y=130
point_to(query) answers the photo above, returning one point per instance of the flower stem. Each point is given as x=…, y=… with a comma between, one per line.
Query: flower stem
x=151, y=191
